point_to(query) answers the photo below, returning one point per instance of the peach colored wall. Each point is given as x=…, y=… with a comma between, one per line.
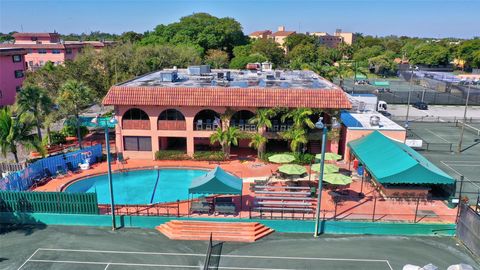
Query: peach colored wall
x=353, y=134
x=8, y=82
x=153, y=113
x=36, y=57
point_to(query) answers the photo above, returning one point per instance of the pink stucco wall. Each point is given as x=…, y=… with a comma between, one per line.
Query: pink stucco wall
x=33, y=58
x=153, y=112
x=8, y=82
x=353, y=134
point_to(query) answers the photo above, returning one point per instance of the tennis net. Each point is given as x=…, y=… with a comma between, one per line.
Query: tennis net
x=469, y=128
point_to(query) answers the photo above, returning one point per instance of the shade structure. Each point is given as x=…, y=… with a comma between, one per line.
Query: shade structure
x=217, y=181
x=328, y=168
x=393, y=162
x=328, y=156
x=292, y=169
x=337, y=179
x=281, y=158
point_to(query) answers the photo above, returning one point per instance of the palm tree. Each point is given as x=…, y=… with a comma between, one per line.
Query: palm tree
x=73, y=97
x=258, y=142
x=262, y=118
x=35, y=100
x=16, y=131
x=300, y=117
x=226, y=138
x=297, y=137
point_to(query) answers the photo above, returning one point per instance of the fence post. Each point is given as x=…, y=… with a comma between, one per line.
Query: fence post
x=459, y=198
x=335, y=211
x=478, y=201
x=178, y=208
x=374, y=206
x=416, y=210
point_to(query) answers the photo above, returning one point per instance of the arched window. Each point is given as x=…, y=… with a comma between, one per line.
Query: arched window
x=171, y=115
x=206, y=120
x=240, y=119
x=135, y=114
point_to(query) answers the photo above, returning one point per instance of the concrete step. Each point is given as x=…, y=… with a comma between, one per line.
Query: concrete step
x=220, y=231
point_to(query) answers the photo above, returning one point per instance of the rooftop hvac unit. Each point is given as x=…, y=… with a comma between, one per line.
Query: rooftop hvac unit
x=168, y=76
x=266, y=66
x=278, y=74
x=374, y=120
x=199, y=70
x=270, y=77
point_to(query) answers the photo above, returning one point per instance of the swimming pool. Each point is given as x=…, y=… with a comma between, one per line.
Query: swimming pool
x=137, y=187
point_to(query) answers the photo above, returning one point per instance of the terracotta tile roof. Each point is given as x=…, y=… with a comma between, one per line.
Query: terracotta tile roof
x=42, y=46
x=26, y=34
x=261, y=32
x=229, y=97
x=283, y=33
x=11, y=51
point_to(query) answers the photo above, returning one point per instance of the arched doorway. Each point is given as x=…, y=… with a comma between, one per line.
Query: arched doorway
x=206, y=120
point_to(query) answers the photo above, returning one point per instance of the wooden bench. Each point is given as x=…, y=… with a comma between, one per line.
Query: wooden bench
x=298, y=193
x=287, y=204
x=282, y=187
x=283, y=198
x=277, y=209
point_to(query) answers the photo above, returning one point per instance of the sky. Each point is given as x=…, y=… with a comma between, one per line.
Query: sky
x=422, y=18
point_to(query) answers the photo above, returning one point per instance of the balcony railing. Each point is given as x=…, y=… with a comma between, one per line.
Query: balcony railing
x=136, y=124
x=244, y=127
x=279, y=128
x=171, y=125
x=206, y=125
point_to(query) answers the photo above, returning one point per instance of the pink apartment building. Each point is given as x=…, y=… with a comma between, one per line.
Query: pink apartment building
x=44, y=47
x=180, y=109
x=12, y=73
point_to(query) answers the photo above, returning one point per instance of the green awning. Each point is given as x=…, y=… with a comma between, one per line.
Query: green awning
x=87, y=122
x=360, y=77
x=217, y=181
x=392, y=162
x=381, y=83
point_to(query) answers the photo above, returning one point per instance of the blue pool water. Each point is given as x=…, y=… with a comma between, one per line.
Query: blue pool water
x=137, y=187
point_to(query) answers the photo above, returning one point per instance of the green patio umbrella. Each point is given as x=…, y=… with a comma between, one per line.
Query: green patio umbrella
x=281, y=158
x=328, y=156
x=328, y=168
x=292, y=169
x=337, y=179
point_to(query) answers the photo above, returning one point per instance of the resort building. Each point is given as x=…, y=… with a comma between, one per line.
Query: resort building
x=281, y=35
x=12, y=73
x=357, y=125
x=334, y=40
x=261, y=34
x=48, y=47
x=181, y=108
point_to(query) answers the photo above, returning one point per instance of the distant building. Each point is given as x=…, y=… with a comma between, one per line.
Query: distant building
x=332, y=41
x=12, y=73
x=261, y=34
x=281, y=35
x=44, y=47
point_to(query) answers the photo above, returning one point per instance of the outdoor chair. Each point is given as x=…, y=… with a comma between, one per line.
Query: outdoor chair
x=283, y=128
x=71, y=168
x=241, y=125
x=61, y=171
x=208, y=125
x=225, y=208
x=199, y=125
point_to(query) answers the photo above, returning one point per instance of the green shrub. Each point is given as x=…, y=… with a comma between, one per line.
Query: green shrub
x=171, y=155
x=71, y=131
x=209, y=155
x=56, y=138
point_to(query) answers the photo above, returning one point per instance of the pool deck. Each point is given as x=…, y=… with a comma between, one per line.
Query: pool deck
x=354, y=208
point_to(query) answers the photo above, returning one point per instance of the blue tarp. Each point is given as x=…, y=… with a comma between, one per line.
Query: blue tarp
x=23, y=179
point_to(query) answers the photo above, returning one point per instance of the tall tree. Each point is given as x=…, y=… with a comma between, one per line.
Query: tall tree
x=258, y=142
x=75, y=96
x=216, y=58
x=35, y=100
x=15, y=131
x=300, y=117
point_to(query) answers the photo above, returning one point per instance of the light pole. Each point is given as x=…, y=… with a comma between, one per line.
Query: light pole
x=323, y=127
x=459, y=148
x=408, y=100
x=104, y=122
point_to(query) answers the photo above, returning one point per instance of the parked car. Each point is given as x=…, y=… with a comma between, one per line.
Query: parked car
x=420, y=105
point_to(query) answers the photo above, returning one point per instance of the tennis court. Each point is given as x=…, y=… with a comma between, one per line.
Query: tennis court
x=70, y=248
x=440, y=142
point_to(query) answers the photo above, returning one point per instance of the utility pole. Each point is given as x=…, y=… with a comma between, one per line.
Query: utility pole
x=459, y=148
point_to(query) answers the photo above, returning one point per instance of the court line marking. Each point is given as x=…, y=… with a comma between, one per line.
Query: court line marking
x=106, y=266
x=225, y=256
x=437, y=135
x=31, y=256
x=457, y=172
